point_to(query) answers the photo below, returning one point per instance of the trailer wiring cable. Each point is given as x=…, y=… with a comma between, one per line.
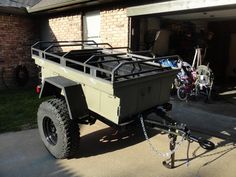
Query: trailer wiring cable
x=153, y=148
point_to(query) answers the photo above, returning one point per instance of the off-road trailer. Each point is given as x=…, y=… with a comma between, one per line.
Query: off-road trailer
x=91, y=81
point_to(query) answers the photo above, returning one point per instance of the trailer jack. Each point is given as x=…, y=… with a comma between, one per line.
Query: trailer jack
x=169, y=163
x=173, y=129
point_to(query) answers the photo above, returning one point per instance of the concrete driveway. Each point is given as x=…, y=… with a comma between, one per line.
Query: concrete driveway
x=105, y=154
x=217, y=118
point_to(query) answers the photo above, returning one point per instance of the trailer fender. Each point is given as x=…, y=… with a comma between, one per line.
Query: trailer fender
x=72, y=91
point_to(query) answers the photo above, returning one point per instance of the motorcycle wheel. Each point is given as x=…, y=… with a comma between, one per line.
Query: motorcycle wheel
x=181, y=93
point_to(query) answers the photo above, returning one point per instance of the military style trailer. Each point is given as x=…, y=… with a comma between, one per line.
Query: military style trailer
x=92, y=81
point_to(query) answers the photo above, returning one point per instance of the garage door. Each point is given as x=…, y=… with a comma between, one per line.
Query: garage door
x=179, y=5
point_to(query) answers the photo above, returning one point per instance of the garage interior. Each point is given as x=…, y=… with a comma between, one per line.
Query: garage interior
x=181, y=33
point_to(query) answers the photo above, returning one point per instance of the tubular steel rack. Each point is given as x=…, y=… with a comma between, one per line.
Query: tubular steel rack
x=99, y=59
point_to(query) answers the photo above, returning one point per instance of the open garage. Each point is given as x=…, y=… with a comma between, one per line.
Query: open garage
x=185, y=26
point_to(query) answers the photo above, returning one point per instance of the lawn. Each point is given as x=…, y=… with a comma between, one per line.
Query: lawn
x=18, y=109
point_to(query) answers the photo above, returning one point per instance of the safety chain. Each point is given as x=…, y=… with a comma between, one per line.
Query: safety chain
x=153, y=148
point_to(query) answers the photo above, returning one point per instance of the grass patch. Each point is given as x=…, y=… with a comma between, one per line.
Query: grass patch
x=18, y=109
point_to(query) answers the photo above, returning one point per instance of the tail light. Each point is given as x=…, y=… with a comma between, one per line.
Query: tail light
x=38, y=89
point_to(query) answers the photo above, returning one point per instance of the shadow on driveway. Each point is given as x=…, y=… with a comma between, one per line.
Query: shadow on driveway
x=23, y=155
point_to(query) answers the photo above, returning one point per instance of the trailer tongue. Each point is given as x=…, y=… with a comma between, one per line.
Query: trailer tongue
x=93, y=81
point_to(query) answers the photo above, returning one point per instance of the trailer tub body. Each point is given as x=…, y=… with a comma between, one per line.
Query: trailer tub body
x=116, y=85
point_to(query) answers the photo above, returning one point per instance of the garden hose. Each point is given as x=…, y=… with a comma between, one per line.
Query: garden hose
x=21, y=75
x=2, y=78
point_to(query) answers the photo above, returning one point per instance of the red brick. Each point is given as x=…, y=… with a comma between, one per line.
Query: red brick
x=17, y=33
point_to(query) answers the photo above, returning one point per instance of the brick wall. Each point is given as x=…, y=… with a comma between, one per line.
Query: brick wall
x=114, y=27
x=65, y=27
x=17, y=34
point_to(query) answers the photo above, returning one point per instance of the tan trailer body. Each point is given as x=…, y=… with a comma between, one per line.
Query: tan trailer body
x=115, y=101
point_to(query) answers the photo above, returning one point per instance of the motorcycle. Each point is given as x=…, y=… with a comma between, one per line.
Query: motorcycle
x=190, y=82
x=198, y=82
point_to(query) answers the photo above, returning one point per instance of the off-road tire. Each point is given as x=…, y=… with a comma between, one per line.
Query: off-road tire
x=67, y=130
